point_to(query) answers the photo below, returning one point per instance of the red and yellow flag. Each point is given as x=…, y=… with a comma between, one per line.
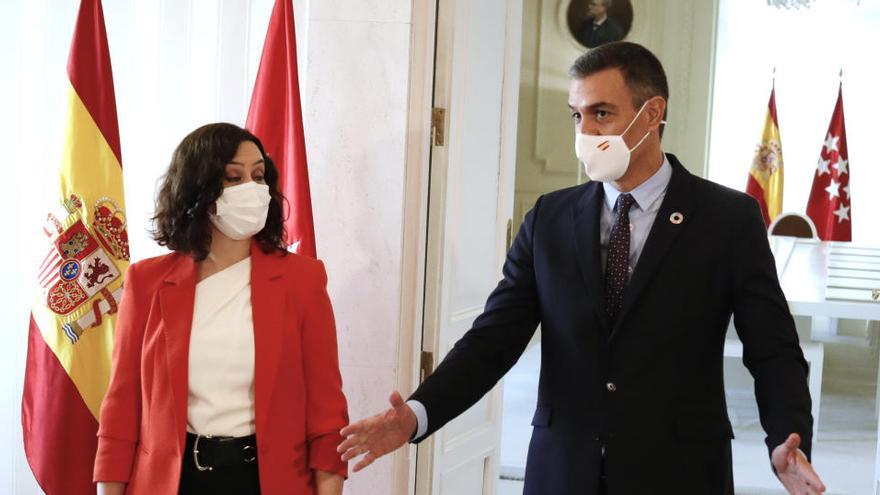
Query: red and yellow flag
x=80, y=277
x=765, y=176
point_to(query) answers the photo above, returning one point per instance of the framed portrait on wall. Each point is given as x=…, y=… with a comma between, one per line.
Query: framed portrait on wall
x=595, y=22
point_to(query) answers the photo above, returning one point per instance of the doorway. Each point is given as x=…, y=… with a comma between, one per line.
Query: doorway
x=474, y=100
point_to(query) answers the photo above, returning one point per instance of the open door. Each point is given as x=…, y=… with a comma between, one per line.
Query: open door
x=476, y=84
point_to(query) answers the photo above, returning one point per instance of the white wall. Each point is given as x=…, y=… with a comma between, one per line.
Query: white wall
x=808, y=48
x=356, y=123
x=179, y=64
x=682, y=35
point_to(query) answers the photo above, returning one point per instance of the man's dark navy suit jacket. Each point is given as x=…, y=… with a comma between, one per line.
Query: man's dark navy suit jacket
x=646, y=389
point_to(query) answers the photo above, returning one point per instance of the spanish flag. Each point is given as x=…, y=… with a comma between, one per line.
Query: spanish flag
x=79, y=281
x=765, y=176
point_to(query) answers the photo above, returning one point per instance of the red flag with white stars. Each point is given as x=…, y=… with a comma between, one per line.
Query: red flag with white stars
x=830, y=203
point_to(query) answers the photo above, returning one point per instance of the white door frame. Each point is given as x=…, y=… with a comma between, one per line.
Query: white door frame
x=414, y=249
x=415, y=221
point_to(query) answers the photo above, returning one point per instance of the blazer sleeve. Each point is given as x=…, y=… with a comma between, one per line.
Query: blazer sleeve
x=326, y=409
x=120, y=419
x=770, y=342
x=494, y=343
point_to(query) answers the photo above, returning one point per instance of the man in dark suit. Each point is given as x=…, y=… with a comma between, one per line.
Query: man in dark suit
x=633, y=277
x=599, y=28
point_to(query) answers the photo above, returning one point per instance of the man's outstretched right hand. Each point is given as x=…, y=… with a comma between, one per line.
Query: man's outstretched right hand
x=378, y=435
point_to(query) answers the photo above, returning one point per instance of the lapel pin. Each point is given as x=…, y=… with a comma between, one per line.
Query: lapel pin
x=676, y=218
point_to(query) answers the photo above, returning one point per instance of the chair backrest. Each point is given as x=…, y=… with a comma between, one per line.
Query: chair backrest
x=793, y=225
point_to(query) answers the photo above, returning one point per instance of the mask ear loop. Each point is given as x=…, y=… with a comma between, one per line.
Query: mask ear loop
x=640, y=141
x=633, y=121
x=630, y=125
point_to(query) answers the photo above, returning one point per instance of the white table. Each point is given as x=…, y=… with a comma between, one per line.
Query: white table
x=804, y=269
x=830, y=280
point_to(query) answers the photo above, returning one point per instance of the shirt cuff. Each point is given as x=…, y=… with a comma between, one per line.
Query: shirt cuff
x=421, y=416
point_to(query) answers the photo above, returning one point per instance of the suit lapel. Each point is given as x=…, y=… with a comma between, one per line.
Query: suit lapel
x=268, y=307
x=176, y=301
x=679, y=201
x=586, y=233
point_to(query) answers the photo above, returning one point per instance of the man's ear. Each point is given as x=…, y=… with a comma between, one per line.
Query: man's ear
x=656, y=110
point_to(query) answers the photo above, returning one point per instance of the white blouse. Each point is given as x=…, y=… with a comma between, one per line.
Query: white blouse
x=221, y=355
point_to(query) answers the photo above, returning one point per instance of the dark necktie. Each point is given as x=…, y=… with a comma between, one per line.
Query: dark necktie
x=617, y=260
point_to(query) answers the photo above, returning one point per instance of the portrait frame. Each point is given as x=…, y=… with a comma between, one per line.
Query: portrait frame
x=615, y=26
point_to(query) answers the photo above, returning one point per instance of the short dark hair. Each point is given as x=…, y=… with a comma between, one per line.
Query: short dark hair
x=642, y=71
x=193, y=183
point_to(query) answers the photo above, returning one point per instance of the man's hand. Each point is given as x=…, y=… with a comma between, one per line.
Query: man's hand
x=376, y=436
x=794, y=470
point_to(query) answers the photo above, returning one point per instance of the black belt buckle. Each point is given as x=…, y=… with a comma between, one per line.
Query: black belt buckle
x=224, y=451
x=196, y=453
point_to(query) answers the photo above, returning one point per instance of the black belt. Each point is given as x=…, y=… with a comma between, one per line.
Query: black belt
x=210, y=452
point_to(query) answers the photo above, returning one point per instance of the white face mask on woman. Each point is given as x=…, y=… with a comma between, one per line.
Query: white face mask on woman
x=241, y=210
x=606, y=158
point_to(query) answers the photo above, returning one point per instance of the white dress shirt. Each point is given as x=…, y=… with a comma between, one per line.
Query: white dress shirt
x=649, y=196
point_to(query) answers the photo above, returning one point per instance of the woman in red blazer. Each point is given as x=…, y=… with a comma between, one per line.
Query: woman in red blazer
x=225, y=370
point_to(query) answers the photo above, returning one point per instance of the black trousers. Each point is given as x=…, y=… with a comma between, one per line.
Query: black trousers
x=241, y=479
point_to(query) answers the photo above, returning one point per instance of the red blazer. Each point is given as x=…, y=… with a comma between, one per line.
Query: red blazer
x=299, y=404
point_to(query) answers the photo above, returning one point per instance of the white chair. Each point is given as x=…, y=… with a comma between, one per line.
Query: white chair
x=792, y=224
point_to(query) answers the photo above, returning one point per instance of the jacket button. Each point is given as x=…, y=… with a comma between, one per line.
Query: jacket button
x=611, y=386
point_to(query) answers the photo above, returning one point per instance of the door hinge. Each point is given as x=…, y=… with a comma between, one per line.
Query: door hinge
x=509, y=233
x=438, y=125
x=427, y=365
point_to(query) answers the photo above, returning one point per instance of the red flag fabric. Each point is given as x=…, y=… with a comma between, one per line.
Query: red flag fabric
x=80, y=278
x=59, y=432
x=830, y=202
x=275, y=116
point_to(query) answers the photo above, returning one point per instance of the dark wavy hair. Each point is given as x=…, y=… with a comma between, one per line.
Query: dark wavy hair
x=193, y=183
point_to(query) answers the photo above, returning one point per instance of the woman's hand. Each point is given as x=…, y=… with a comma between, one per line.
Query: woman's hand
x=113, y=488
x=328, y=483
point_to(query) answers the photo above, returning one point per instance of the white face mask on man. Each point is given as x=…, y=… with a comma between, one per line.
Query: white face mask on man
x=606, y=158
x=241, y=210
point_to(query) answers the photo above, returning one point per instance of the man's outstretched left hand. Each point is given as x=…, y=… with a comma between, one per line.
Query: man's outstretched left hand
x=794, y=470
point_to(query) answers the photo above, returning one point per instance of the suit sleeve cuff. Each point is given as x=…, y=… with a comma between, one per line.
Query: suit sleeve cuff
x=421, y=416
